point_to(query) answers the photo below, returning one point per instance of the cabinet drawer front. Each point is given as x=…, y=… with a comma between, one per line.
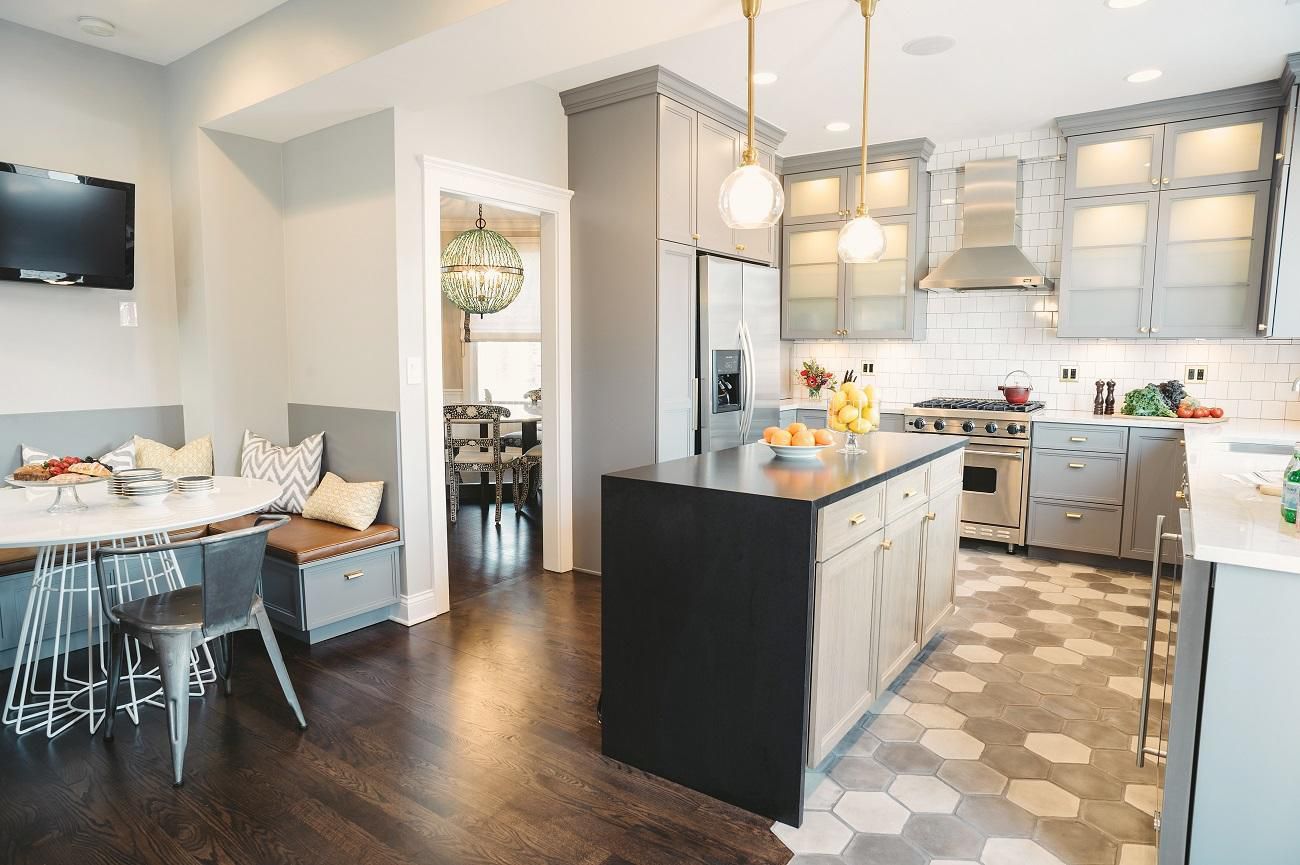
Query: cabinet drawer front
x=1076, y=476
x=356, y=584
x=282, y=592
x=945, y=472
x=906, y=492
x=1081, y=437
x=1073, y=526
x=844, y=523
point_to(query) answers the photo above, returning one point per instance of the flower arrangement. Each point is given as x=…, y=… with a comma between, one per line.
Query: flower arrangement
x=815, y=377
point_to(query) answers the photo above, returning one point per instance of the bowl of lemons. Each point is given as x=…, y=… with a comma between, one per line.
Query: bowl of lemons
x=853, y=409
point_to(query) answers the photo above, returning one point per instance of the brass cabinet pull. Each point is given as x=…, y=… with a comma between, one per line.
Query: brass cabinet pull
x=1078, y=438
x=931, y=516
x=1070, y=516
x=695, y=236
x=1155, y=330
x=1155, y=181
x=909, y=493
x=857, y=519
x=1179, y=494
x=352, y=575
x=1078, y=465
x=1166, y=180
x=740, y=247
x=886, y=545
x=1144, y=330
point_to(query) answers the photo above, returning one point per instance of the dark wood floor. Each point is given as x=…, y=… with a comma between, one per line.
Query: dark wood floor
x=467, y=739
x=482, y=555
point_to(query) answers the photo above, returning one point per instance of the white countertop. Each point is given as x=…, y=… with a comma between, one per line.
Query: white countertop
x=1232, y=522
x=1049, y=415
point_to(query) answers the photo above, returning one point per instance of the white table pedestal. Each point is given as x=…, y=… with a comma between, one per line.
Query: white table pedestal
x=57, y=692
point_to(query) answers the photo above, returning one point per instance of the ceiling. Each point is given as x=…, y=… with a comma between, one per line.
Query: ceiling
x=1017, y=64
x=458, y=213
x=159, y=31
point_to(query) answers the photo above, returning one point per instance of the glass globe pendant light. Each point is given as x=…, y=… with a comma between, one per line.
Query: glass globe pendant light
x=482, y=272
x=751, y=196
x=862, y=240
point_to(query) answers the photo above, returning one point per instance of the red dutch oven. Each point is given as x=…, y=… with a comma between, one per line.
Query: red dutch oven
x=1016, y=387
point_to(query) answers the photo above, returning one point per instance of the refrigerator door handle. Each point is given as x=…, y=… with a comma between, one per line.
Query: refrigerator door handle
x=751, y=388
x=1144, y=708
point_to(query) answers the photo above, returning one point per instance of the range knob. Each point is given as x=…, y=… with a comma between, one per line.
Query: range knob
x=968, y=426
x=990, y=427
x=940, y=424
x=919, y=423
x=1015, y=429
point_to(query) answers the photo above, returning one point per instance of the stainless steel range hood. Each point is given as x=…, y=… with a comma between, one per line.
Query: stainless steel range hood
x=989, y=257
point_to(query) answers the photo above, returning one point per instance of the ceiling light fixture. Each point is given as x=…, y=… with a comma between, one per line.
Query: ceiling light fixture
x=837, y=126
x=482, y=272
x=928, y=46
x=862, y=240
x=1124, y=4
x=764, y=78
x=751, y=196
x=1142, y=76
x=96, y=26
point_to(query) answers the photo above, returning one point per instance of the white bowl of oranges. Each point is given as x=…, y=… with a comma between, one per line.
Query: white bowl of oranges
x=797, y=442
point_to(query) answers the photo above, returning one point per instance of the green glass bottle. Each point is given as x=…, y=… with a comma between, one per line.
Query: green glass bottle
x=1291, y=487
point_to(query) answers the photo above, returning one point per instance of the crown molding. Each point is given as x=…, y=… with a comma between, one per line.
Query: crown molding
x=889, y=151
x=657, y=79
x=1249, y=97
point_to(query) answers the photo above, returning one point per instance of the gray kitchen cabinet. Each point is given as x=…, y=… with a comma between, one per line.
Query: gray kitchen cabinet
x=1108, y=266
x=812, y=282
x=1210, y=261
x=939, y=576
x=1153, y=485
x=717, y=155
x=1081, y=527
x=675, y=383
x=1279, y=315
x=676, y=172
x=757, y=244
x=1076, y=487
x=1237, y=148
x=813, y=418
x=843, y=678
x=893, y=188
x=816, y=196
x=1089, y=477
x=902, y=555
x=1114, y=163
x=880, y=300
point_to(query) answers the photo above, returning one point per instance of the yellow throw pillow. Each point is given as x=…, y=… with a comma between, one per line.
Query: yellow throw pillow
x=193, y=459
x=351, y=505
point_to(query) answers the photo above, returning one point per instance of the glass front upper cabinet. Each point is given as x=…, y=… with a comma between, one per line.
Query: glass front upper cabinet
x=1238, y=148
x=811, y=288
x=1112, y=163
x=815, y=196
x=879, y=296
x=1108, y=266
x=891, y=188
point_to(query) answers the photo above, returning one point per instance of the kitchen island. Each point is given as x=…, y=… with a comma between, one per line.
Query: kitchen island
x=754, y=608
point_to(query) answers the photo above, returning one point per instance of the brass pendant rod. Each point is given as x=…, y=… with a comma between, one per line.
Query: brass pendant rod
x=868, y=9
x=750, y=8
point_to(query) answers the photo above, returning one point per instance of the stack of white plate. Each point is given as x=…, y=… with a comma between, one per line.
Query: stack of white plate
x=152, y=492
x=122, y=477
x=195, y=486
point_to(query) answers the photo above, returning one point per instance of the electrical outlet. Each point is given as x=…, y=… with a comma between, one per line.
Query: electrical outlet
x=127, y=315
x=1069, y=373
x=868, y=367
x=1195, y=375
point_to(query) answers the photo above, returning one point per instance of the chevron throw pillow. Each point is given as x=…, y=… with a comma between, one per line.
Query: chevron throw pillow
x=120, y=457
x=296, y=469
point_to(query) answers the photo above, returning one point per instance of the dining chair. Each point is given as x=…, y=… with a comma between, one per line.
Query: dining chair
x=527, y=464
x=477, y=453
x=177, y=622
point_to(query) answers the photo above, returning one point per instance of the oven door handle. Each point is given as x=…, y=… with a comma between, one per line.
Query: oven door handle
x=1010, y=455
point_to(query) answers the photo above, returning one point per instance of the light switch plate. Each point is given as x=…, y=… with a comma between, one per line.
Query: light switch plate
x=868, y=367
x=415, y=370
x=1069, y=373
x=127, y=315
x=1195, y=375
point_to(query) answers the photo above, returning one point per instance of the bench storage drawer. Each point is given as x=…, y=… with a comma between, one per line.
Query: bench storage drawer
x=349, y=585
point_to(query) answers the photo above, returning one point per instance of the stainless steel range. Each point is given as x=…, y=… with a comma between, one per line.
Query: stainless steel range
x=995, y=485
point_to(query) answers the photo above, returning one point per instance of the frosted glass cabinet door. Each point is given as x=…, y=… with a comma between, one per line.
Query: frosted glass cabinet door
x=811, y=289
x=891, y=188
x=1110, y=163
x=1210, y=261
x=815, y=196
x=879, y=297
x=1238, y=148
x=1108, y=266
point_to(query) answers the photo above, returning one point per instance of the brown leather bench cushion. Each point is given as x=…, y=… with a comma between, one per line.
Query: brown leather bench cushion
x=303, y=541
x=20, y=560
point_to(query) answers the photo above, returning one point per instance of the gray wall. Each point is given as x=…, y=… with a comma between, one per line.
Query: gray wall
x=360, y=445
x=86, y=433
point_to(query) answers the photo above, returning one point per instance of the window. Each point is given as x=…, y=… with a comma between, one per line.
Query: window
x=504, y=357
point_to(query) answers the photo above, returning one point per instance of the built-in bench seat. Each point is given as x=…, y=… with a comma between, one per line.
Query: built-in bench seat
x=320, y=580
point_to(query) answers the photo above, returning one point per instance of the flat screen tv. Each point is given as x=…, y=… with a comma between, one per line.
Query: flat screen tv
x=66, y=229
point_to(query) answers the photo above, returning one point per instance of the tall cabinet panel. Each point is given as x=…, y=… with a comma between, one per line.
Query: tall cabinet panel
x=938, y=586
x=676, y=172
x=718, y=154
x=1152, y=487
x=1110, y=258
x=675, y=394
x=901, y=554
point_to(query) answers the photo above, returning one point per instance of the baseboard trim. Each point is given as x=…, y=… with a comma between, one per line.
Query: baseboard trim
x=414, y=609
x=585, y=571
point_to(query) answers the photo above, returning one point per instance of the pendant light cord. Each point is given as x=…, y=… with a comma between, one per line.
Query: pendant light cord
x=750, y=8
x=868, y=9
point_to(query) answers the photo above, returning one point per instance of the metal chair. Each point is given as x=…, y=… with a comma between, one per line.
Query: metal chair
x=478, y=454
x=175, y=623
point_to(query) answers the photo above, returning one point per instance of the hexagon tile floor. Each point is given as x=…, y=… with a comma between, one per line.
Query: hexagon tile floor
x=1010, y=741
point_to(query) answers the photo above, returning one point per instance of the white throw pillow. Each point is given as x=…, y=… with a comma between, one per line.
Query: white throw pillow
x=195, y=458
x=351, y=505
x=120, y=457
x=296, y=469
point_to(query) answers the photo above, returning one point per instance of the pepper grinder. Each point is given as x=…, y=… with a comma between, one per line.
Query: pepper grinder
x=1110, y=397
x=1099, y=404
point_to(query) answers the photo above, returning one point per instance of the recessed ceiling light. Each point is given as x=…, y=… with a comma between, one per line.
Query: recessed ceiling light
x=1124, y=4
x=927, y=45
x=764, y=77
x=837, y=126
x=96, y=26
x=1142, y=76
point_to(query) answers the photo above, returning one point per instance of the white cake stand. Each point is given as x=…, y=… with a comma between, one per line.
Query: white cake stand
x=66, y=500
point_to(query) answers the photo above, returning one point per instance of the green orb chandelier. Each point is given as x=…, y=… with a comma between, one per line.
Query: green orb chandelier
x=482, y=272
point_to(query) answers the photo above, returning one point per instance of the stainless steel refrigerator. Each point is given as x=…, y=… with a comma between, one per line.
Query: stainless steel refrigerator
x=740, y=352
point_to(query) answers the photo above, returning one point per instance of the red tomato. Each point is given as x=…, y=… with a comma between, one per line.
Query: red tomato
x=1216, y=412
x=1184, y=411
x=1201, y=412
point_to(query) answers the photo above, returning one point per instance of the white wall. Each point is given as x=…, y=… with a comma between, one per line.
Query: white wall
x=77, y=109
x=339, y=265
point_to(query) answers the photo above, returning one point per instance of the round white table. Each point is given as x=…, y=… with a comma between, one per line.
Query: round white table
x=56, y=692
